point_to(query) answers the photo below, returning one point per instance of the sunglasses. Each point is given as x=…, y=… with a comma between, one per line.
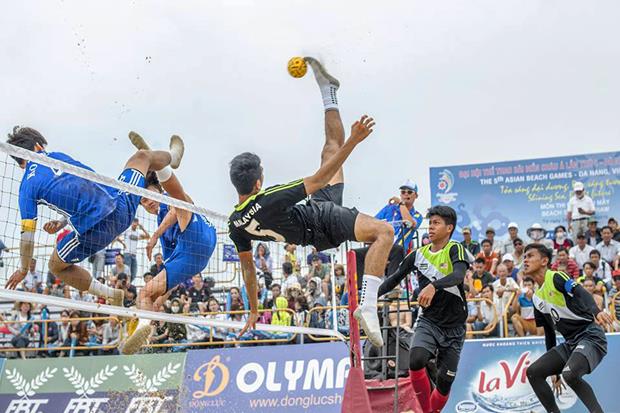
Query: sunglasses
x=406, y=191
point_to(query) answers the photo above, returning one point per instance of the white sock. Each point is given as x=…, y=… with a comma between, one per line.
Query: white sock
x=164, y=174
x=370, y=288
x=330, y=100
x=100, y=290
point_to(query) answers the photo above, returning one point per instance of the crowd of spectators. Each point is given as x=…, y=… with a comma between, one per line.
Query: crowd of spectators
x=301, y=290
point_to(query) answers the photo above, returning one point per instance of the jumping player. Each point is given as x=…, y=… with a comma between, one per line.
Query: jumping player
x=272, y=214
x=194, y=242
x=96, y=213
x=440, y=328
x=560, y=303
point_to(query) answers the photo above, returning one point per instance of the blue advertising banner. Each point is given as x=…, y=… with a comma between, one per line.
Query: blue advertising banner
x=526, y=191
x=491, y=378
x=294, y=378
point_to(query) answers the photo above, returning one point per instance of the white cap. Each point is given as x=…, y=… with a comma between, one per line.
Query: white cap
x=508, y=257
x=513, y=225
x=536, y=226
x=578, y=186
x=410, y=184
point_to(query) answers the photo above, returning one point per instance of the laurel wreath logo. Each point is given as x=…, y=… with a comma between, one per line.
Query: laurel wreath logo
x=147, y=385
x=26, y=389
x=84, y=387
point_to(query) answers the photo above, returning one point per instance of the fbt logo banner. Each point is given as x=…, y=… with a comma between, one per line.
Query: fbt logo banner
x=144, y=383
x=298, y=378
x=492, y=378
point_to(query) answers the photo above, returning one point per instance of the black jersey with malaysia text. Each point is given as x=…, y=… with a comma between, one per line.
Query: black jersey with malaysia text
x=449, y=307
x=270, y=215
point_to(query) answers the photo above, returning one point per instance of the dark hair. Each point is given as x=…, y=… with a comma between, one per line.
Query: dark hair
x=303, y=303
x=581, y=235
x=489, y=286
x=151, y=179
x=589, y=264
x=287, y=268
x=562, y=250
x=245, y=170
x=119, y=253
x=26, y=138
x=276, y=285
x=612, y=219
x=444, y=212
x=542, y=250
x=486, y=241
x=595, y=252
x=562, y=227
x=147, y=274
x=529, y=279
x=479, y=260
x=607, y=227
x=517, y=240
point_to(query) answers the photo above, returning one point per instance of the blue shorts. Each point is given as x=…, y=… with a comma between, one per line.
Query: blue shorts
x=191, y=255
x=74, y=247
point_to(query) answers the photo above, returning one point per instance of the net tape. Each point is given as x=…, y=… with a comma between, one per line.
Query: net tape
x=152, y=315
x=104, y=180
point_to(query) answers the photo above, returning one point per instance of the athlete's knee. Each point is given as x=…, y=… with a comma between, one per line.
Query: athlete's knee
x=534, y=371
x=418, y=358
x=445, y=378
x=571, y=376
x=384, y=232
x=56, y=265
x=139, y=160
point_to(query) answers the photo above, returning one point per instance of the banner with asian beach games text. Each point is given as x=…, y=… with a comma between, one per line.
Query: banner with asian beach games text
x=526, y=191
x=291, y=378
x=491, y=378
x=141, y=383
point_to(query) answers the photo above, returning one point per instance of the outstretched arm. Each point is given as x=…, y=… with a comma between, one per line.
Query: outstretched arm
x=169, y=220
x=359, y=131
x=249, y=278
x=26, y=250
x=405, y=267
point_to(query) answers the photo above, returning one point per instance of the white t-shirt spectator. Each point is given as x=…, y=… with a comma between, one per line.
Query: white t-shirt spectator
x=288, y=282
x=581, y=256
x=132, y=236
x=608, y=252
x=603, y=271
x=116, y=270
x=504, y=300
x=575, y=203
x=32, y=279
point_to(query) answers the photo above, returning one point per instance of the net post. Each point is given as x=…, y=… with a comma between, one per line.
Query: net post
x=356, y=397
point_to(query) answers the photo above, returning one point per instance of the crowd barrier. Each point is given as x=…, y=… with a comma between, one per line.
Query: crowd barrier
x=491, y=378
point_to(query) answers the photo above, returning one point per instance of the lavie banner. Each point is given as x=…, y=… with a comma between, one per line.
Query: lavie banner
x=491, y=378
x=144, y=383
x=527, y=191
x=291, y=378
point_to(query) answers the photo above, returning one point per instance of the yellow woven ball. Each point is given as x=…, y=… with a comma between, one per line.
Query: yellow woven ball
x=297, y=67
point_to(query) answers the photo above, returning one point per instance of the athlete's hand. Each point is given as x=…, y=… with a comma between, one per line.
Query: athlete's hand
x=53, y=227
x=426, y=295
x=394, y=200
x=251, y=323
x=149, y=247
x=603, y=319
x=558, y=384
x=17, y=277
x=361, y=129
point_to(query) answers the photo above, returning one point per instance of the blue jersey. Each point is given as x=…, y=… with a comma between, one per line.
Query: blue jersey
x=391, y=213
x=168, y=239
x=83, y=202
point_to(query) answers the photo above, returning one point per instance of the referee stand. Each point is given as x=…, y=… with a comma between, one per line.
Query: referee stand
x=386, y=394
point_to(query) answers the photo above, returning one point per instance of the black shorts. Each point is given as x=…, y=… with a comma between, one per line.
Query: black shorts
x=328, y=224
x=592, y=343
x=445, y=343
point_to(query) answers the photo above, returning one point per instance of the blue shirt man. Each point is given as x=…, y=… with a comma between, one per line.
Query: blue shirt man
x=401, y=213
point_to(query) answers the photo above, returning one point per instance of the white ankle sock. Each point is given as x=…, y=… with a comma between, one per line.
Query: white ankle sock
x=100, y=290
x=370, y=287
x=164, y=174
x=330, y=99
